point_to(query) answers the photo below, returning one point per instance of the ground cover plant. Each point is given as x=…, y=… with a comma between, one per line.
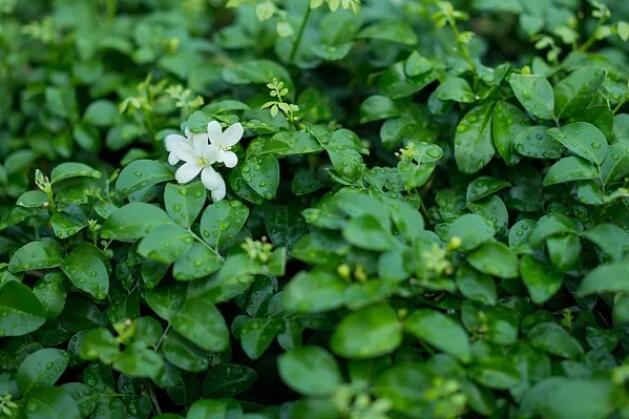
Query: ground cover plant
x=314, y=209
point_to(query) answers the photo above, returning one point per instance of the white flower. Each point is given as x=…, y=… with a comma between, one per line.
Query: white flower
x=224, y=141
x=198, y=157
x=172, y=140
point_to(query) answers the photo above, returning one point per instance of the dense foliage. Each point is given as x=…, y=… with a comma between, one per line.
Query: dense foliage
x=427, y=215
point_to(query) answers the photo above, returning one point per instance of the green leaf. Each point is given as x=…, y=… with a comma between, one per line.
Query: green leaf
x=534, y=93
x=416, y=64
x=496, y=373
x=377, y=107
x=569, y=169
x=41, y=369
x=51, y=293
x=535, y=142
x=227, y=380
x=440, y=331
x=255, y=71
x=66, y=225
x=476, y=286
x=541, y=280
x=494, y=258
x=567, y=398
x=222, y=221
x=611, y=239
x=455, y=89
x=484, y=186
x=166, y=300
x=554, y=339
x=616, y=163
x=166, y=243
x=606, y=278
x=101, y=113
x=578, y=90
x=61, y=102
x=550, y=225
x=51, y=403
x=256, y=335
x=83, y=396
x=183, y=203
x=198, y=262
x=583, y=139
x=473, y=146
x=138, y=361
x=99, y=344
x=184, y=354
x=202, y=323
x=507, y=122
x=214, y=409
x=86, y=270
x=564, y=251
x=310, y=370
x=140, y=174
x=394, y=31
x=314, y=292
x=367, y=333
x=262, y=174
x=344, y=154
x=33, y=199
x=71, y=170
x=133, y=221
x=21, y=312
x=367, y=232
x=44, y=254
x=472, y=229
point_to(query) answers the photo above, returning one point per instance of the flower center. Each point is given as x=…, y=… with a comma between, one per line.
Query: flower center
x=203, y=162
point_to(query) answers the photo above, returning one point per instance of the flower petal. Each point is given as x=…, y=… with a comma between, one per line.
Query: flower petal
x=219, y=193
x=210, y=178
x=211, y=153
x=199, y=142
x=172, y=140
x=187, y=172
x=232, y=135
x=173, y=159
x=229, y=158
x=215, y=132
x=185, y=152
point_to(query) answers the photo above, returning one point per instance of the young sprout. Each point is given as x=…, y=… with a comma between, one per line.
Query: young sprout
x=278, y=90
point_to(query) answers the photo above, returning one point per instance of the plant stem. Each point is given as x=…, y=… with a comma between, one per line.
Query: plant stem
x=112, y=6
x=462, y=47
x=300, y=35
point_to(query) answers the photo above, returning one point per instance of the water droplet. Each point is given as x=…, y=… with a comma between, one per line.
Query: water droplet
x=176, y=207
x=596, y=145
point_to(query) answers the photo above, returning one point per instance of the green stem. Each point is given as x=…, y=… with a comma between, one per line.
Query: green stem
x=461, y=47
x=112, y=6
x=590, y=41
x=300, y=35
x=620, y=104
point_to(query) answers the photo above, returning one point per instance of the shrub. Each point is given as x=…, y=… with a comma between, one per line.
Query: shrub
x=314, y=209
